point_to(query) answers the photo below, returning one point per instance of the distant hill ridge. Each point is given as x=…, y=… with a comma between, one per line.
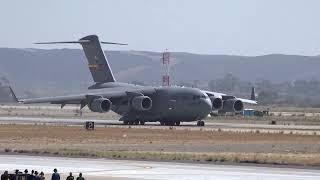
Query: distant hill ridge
x=60, y=70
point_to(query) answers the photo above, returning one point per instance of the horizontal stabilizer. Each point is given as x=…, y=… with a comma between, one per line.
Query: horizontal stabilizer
x=64, y=42
x=79, y=42
x=103, y=42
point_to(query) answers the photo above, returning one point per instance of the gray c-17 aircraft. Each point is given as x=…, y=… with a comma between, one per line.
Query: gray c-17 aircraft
x=140, y=104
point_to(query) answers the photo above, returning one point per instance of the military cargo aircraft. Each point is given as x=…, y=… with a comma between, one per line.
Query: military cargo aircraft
x=140, y=104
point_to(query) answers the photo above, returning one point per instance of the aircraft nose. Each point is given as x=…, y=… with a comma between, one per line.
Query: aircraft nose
x=206, y=107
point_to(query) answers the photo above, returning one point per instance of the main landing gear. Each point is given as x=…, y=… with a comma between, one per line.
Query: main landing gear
x=200, y=123
x=136, y=122
x=169, y=123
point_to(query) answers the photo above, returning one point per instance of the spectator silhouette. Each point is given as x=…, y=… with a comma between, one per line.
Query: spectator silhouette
x=80, y=177
x=31, y=176
x=42, y=176
x=70, y=177
x=36, y=176
x=55, y=175
x=5, y=176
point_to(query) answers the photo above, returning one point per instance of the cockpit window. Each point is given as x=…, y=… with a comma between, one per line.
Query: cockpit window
x=205, y=96
x=195, y=97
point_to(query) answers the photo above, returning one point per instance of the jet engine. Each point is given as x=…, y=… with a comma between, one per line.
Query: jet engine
x=100, y=105
x=216, y=103
x=232, y=105
x=141, y=103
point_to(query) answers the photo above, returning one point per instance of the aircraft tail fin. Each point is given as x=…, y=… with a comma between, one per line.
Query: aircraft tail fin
x=97, y=61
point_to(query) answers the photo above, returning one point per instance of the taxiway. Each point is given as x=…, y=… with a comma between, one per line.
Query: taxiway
x=210, y=126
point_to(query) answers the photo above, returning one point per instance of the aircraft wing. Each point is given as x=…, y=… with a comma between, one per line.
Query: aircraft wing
x=115, y=96
x=215, y=94
x=225, y=96
x=70, y=99
x=248, y=101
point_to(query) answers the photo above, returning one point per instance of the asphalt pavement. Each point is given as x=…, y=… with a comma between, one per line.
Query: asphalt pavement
x=125, y=169
x=286, y=129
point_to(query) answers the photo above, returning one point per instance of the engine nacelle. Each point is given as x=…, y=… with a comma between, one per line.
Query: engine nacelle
x=141, y=103
x=232, y=105
x=216, y=103
x=100, y=105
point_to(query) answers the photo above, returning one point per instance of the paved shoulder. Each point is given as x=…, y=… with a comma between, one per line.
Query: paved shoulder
x=123, y=169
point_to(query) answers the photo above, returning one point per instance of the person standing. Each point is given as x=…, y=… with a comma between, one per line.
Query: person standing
x=36, y=176
x=42, y=176
x=16, y=174
x=31, y=176
x=55, y=175
x=5, y=176
x=70, y=177
x=80, y=177
x=26, y=175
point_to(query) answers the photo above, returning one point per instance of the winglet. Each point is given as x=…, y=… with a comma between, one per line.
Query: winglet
x=14, y=96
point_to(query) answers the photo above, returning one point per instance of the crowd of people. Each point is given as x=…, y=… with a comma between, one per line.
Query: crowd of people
x=35, y=175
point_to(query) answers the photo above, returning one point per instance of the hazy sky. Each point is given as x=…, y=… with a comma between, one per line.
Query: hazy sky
x=236, y=27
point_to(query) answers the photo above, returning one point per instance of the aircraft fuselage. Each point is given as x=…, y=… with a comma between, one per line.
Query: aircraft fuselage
x=170, y=104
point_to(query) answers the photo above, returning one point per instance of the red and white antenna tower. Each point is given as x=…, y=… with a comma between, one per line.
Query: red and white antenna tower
x=165, y=61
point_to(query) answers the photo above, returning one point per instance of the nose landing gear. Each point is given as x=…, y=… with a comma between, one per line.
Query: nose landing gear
x=200, y=123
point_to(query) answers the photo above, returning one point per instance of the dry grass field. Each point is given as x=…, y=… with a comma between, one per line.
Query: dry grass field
x=161, y=144
x=164, y=144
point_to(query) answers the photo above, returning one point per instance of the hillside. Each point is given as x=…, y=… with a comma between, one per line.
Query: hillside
x=38, y=71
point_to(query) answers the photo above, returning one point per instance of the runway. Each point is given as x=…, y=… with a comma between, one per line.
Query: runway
x=263, y=128
x=124, y=169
